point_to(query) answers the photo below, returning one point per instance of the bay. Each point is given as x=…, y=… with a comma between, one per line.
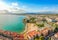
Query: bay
x=13, y=23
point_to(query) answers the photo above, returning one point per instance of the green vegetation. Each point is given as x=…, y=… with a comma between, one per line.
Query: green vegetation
x=36, y=38
x=42, y=22
x=49, y=38
x=39, y=38
x=26, y=21
x=31, y=20
x=53, y=24
x=40, y=25
x=56, y=29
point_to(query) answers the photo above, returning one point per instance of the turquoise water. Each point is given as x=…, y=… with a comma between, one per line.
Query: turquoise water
x=13, y=23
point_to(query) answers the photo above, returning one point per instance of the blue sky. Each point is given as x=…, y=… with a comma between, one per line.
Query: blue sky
x=34, y=5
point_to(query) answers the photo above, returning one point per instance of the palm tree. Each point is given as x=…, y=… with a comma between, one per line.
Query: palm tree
x=36, y=38
x=56, y=29
x=41, y=38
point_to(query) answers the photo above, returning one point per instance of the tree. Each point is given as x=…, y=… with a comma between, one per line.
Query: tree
x=32, y=19
x=40, y=25
x=36, y=38
x=49, y=38
x=56, y=29
x=41, y=38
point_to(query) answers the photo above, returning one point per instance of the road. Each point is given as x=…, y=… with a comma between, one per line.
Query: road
x=51, y=34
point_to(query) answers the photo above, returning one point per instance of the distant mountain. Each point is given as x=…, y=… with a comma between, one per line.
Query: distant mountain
x=44, y=13
x=19, y=12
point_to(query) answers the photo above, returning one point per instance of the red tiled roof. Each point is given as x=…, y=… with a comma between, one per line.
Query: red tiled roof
x=12, y=34
x=33, y=33
x=45, y=30
x=56, y=35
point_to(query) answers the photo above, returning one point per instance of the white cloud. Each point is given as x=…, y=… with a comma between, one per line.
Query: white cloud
x=3, y=6
x=46, y=9
x=15, y=8
x=14, y=4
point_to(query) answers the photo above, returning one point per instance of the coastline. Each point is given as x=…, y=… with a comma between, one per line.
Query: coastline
x=24, y=30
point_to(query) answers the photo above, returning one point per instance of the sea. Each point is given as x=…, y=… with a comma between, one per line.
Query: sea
x=12, y=23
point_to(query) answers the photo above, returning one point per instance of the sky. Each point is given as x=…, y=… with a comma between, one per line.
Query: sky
x=29, y=5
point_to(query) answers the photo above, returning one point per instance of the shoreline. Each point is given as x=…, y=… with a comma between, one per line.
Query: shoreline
x=29, y=27
x=24, y=30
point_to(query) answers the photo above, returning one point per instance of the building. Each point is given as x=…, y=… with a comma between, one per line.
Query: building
x=49, y=20
x=46, y=31
x=32, y=34
x=12, y=35
x=55, y=37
